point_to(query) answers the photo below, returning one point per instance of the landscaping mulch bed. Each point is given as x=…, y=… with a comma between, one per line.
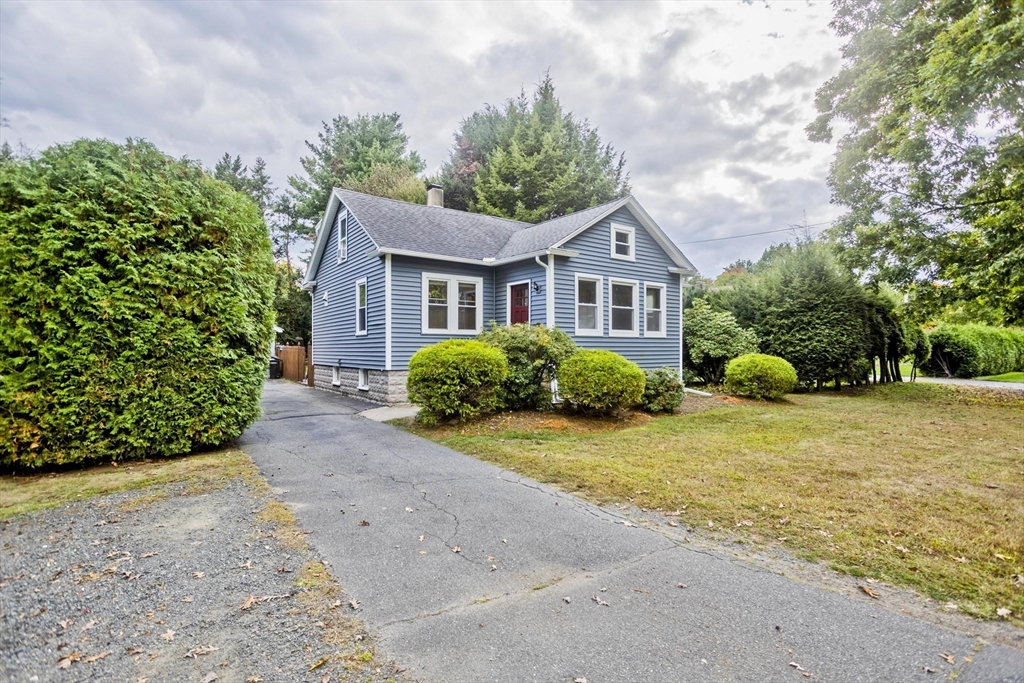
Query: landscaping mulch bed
x=177, y=586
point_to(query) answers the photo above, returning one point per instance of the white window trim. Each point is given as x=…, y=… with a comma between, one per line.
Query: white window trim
x=453, y=304
x=360, y=384
x=336, y=376
x=635, y=332
x=599, y=332
x=619, y=227
x=664, y=309
x=342, y=244
x=529, y=300
x=362, y=282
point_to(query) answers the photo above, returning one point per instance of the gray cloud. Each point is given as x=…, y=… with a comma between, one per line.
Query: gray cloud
x=256, y=79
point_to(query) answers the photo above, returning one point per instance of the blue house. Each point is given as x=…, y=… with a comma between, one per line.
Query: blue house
x=389, y=277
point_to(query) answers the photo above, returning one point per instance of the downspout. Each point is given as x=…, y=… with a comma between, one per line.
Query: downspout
x=549, y=295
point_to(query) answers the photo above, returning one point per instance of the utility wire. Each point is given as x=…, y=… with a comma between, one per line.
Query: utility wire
x=764, y=232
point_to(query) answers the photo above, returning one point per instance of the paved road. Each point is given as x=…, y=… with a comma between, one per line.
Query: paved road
x=984, y=384
x=496, y=610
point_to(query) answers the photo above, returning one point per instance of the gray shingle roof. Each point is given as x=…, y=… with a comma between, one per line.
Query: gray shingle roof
x=394, y=224
x=544, y=235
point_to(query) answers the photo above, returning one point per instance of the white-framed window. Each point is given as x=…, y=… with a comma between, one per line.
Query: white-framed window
x=336, y=376
x=341, y=223
x=654, y=309
x=623, y=246
x=589, y=295
x=361, y=306
x=623, y=300
x=452, y=304
x=364, y=380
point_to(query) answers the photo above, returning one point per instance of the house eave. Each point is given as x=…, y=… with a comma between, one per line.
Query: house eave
x=568, y=253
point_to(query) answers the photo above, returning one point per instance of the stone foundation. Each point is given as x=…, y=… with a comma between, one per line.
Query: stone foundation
x=384, y=386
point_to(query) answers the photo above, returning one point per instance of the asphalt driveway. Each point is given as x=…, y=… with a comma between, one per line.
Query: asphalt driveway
x=473, y=573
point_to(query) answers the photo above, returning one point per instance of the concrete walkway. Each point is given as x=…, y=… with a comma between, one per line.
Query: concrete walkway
x=984, y=384
x=473, y=573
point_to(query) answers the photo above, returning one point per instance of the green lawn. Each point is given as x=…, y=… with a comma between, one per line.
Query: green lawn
x=920, y=485
x=1006, y=377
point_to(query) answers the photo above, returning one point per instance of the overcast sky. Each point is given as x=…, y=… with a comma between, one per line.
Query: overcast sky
x=707, y=99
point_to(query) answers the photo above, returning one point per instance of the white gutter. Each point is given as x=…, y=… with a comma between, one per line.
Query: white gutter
x=568, y=253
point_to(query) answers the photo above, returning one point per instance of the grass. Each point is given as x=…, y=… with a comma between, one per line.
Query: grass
x=1005, y=377
x=915, y=484
x=31, y=493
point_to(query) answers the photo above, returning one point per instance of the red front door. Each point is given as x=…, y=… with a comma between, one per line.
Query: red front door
x=520, y=304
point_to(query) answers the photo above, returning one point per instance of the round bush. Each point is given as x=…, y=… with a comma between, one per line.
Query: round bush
x=136, y=306
x=600, y=381
x=760, y=376
x=534, y=353
x=663, y=392
x=457, y=378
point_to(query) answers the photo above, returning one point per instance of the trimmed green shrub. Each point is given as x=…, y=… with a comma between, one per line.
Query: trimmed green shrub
x=457, y=378
x=534, y=353
x=663, y=392
x=975, y=350
x=712, y=338
x=601, y=382
x=920, y=349
x=760, y=376
x=136, y=306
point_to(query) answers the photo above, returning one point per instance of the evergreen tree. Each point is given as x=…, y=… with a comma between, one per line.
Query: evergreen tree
x=293, y=307
x=531, y=161
x=347, y=154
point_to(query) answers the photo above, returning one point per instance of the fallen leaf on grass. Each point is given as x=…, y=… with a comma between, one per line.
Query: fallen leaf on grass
x=991, y=486
x=201, y=650
x=599, y=601
x=66, y=660
x=95, y=658
x=1004, y=612
x=320, y=662
x=168, y=635
x=868, y=591
x=745, y=522
x=948, y=657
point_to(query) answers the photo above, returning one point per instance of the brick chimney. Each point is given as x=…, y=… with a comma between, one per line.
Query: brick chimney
x=435, y=195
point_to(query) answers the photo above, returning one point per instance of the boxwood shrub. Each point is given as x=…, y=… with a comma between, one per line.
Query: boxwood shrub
x=975, y=350
x=663, y=391
x=136, y=309
x=456, y=379
x=534, y=353
x=600, y=382
x=760, y=376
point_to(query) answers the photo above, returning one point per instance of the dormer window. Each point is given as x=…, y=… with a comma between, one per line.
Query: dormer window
x=623, y=245
x=341, y=225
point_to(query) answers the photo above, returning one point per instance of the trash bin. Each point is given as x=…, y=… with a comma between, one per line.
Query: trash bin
x=275, y=368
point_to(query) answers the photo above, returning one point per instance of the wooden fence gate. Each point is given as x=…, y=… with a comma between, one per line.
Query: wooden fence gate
x=293, y=362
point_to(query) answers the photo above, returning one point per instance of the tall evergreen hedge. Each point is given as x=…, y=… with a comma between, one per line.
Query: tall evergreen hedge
x=975, y=350
x=135, y=306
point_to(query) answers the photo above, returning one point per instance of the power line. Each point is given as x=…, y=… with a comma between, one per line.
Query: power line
x=764, y=232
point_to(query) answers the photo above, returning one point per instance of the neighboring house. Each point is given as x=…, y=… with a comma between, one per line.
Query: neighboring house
x=389, y=277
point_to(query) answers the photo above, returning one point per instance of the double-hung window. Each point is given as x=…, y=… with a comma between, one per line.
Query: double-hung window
x=624, y=314
x=623, y=244
x=589, y=321
x=361, y=306
x=341, y=226
x=654, y=310
x=452, y=304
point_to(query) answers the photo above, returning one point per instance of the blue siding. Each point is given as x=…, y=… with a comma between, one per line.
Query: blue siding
x=407, y=297
x=334, y=325
x=651, y=265
x=517, y=272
